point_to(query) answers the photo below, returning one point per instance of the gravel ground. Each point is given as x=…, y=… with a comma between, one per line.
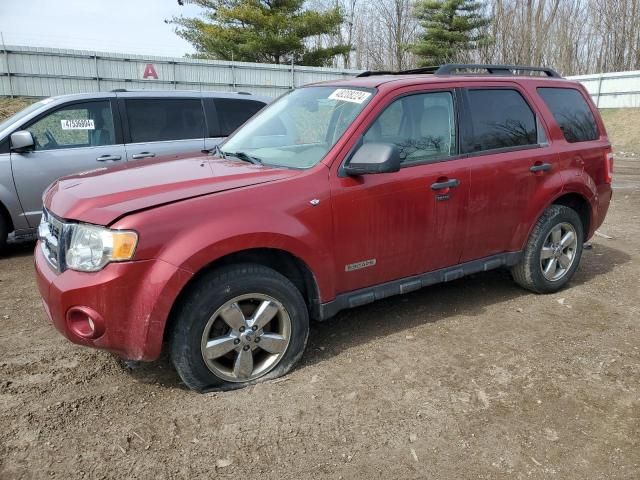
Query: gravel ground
x=472, y=379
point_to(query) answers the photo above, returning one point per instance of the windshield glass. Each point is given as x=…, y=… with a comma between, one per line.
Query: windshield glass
x=22, y=113
x=300, y=128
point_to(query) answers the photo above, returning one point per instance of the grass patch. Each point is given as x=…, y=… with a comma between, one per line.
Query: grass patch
x=623, y=127
x=9, y=106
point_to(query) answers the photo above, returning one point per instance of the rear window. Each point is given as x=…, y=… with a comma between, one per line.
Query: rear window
x=500, y=118
x=234, y=112
x=161, y=119
x=572, y=113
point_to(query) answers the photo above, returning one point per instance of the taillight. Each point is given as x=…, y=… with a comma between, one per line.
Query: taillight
x=608, y=167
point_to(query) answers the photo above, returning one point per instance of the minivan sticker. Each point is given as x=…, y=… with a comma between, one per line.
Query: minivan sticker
x=347, y=95
x=78, y=124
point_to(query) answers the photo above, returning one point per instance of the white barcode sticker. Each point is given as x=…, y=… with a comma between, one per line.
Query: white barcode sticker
x=347, y=95
x=78, y=124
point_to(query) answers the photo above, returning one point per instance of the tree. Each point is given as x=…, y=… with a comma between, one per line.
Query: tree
x=266, y=31
x=451, y=29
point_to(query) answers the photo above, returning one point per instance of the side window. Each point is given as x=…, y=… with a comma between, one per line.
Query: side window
x=500, y=118
x=88, y=124
x=573, y=115
x=162, y=119
x=422, y=126
x=234, y=112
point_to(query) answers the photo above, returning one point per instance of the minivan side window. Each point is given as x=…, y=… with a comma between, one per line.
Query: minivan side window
x=234, y=112
x=87, y=124
x=163, y=119
x=422, y=126
x=573, y=115
x=500, y=118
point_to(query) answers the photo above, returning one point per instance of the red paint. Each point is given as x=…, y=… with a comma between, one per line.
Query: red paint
x=192, y=211
x=150, y=72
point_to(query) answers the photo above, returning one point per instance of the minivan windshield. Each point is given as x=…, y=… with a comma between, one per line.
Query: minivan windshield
x=22, y=113
x=299, y=129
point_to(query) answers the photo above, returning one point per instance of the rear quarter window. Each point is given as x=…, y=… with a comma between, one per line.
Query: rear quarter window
x=571, y=112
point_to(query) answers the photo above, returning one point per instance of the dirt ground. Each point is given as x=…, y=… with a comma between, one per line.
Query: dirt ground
x=471, y=379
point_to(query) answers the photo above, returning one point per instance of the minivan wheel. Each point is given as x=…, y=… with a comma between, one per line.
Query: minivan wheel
x=553, y=251
x=4, y=233
x=238, y=325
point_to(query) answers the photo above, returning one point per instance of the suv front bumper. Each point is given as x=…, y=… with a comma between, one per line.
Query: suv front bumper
x=131, y=302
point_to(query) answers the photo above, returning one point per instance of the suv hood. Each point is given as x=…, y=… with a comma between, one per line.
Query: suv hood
x=101, y=196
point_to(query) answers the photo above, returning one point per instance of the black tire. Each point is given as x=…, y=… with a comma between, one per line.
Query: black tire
x=4, y=233
x=212, y=291
x=528, y=273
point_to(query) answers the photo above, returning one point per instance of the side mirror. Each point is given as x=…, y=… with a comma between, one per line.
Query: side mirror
x=374, y=158
x=22, y=141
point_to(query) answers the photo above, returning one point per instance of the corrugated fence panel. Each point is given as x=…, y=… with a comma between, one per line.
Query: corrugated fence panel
x=613, y=90
x=43, y=72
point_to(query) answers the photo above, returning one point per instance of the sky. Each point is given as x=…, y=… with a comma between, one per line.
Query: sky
x=126, y=26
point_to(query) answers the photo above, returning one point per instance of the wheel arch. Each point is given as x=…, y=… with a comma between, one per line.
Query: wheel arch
x=581, y=205
x=282, y=261
x=4, y=213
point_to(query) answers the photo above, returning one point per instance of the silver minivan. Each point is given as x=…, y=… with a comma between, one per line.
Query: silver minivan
x=62, y=135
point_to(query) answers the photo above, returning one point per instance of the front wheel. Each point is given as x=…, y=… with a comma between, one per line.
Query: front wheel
x=238, y=325
x=4, y=233
x=553, y=251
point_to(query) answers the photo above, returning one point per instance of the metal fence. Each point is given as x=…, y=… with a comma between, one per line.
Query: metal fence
x=43, y=72
x=613, y=90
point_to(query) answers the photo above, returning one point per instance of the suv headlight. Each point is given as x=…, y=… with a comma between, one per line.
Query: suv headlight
x=92, y=247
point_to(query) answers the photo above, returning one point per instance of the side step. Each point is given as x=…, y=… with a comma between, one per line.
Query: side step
x=409, y=284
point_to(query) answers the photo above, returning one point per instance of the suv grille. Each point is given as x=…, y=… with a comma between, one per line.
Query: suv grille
x=51, y=233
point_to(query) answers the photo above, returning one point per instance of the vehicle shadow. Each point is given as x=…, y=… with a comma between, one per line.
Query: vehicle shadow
x=19, y=248
x=404, y=312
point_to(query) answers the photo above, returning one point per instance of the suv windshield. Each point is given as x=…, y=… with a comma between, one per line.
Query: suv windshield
x=300, y=128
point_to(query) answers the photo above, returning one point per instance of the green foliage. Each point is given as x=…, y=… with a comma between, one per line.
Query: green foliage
x=451, y=27
x=267, y=31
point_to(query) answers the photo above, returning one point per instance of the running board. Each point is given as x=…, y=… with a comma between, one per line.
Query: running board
x=416, y=282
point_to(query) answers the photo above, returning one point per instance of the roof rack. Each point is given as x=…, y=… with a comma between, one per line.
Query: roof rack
x=453, y=68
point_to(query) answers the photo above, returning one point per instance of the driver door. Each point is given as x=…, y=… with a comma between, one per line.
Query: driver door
x=394, y=225
x=73, y=138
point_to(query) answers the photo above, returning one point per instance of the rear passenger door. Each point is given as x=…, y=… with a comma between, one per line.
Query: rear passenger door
x=225, y=115
x=511, y=164
x=162, y=127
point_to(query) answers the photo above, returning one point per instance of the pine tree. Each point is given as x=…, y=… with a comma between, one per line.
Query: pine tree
x=451, y=28
x=266, y=31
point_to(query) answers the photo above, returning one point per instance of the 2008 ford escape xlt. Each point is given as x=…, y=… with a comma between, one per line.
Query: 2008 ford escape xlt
x=336, y=195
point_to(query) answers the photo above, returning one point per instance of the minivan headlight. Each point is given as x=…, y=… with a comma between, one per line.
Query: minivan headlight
x=91, y=247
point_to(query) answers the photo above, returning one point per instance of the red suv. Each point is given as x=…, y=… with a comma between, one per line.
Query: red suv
x=334, y=196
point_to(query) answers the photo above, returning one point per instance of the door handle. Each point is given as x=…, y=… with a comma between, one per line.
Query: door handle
x=108, y=158
x=453, y=183
x=540, y=167
x=143, y=155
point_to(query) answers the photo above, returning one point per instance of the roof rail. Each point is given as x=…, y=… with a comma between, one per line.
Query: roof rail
x=453, y=68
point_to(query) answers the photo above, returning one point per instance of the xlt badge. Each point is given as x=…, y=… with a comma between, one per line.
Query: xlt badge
x=358, y=265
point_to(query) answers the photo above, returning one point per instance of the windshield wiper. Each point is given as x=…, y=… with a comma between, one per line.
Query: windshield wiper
x=244, y=157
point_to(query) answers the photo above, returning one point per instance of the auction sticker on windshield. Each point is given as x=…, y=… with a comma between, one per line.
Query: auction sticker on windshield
x=347, y=95
x=78, y=124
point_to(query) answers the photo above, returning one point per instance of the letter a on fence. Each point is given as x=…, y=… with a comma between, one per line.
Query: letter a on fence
x=150, y=72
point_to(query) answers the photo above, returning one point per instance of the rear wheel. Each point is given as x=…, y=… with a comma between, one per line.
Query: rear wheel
x=553, y=251
x=239, y=325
